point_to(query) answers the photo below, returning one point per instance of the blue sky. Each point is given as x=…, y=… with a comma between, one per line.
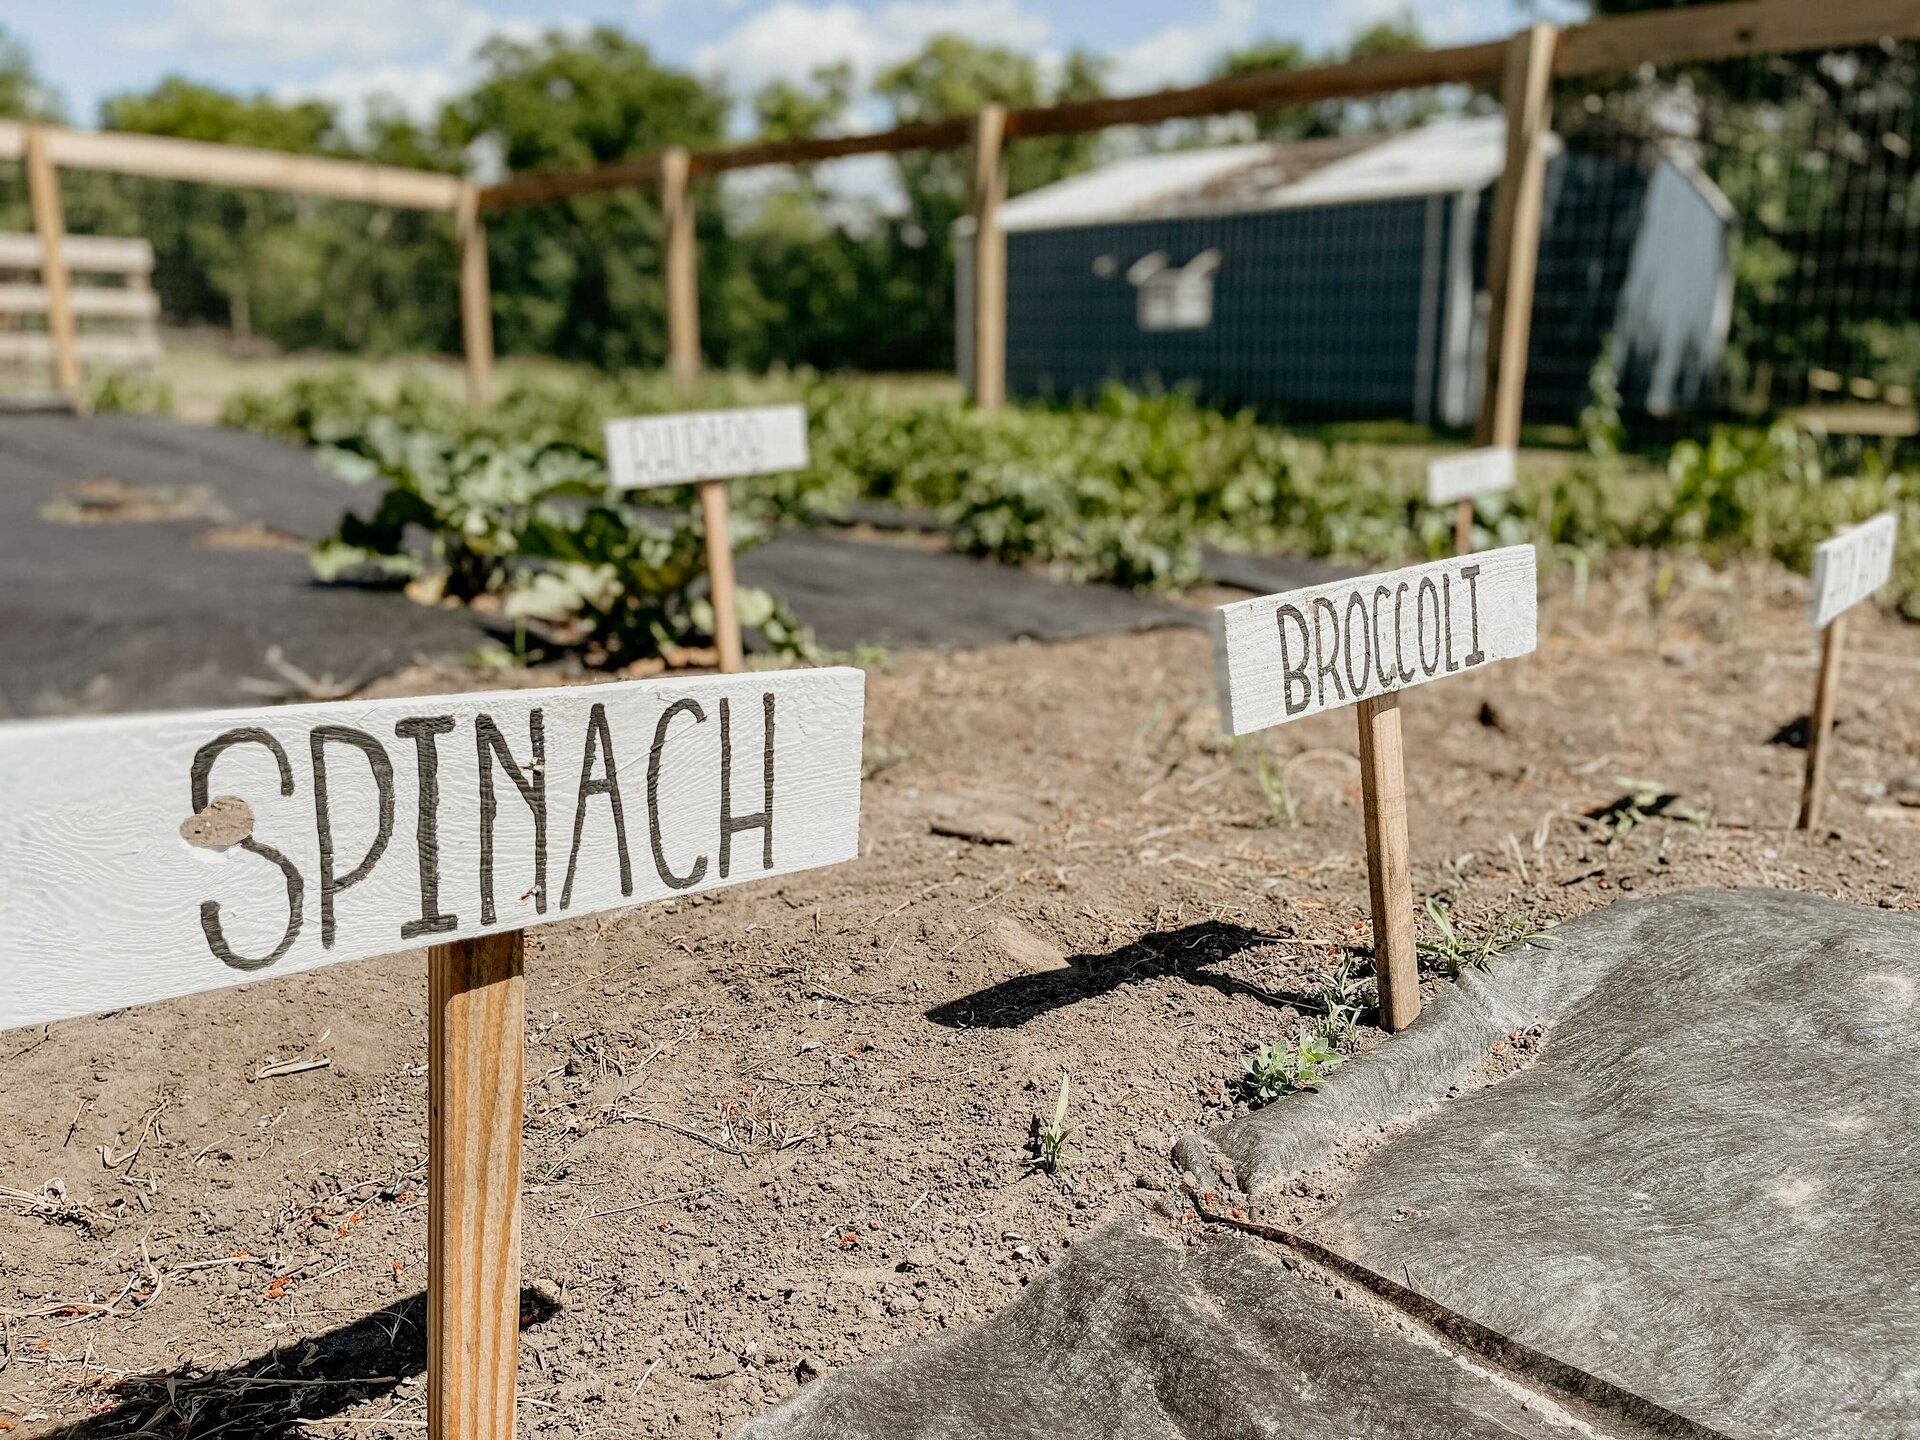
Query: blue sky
x=419, y=50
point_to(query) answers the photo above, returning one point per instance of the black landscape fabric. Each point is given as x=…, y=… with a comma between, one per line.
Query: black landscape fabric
x=1694, y=1206
x=174, y=596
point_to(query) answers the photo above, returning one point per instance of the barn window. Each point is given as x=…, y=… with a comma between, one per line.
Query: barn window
x=1173, y=298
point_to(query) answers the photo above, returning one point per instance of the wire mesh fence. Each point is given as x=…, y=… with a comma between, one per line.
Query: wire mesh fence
x=1811, y=156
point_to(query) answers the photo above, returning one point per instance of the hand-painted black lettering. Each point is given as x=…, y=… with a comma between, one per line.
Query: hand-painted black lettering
x=1289, y=672
x=317, y=741
x=421, y=729
x=1446, y=622
x=296, y=886
x=1422, y=629
x=492, y=748
x=1323, y=666
x=1405, y=671
x=1357, y=683
x=698, y=872
x=763, y=822
x=600, y=739
x=1471, y=574
x=1380, y=673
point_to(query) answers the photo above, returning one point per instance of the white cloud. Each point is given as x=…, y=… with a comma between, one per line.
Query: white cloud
x=791, y=38
x=1182, y=54
x=418, y=87
x=287, y=31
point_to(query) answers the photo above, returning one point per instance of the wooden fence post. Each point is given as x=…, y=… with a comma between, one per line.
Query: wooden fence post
x=1513, y=249
x=476, y=1026
x=49, y=225
x=476, y=296
x=989, y=259
x=1383, y=798
x=683, y=283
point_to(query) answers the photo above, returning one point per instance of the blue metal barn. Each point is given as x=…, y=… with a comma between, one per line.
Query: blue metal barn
x=1346, y=277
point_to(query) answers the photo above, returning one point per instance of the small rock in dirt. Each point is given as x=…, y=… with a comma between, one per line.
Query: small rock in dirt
x=809, y=1369
x=1026, y=949
x=1905, y=790
x=978, y=824
x=1490, y=717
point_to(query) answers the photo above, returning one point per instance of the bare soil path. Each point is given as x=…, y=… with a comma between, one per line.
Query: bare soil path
x=777, y=1129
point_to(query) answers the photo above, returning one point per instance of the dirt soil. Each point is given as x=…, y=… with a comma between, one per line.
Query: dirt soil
x=776, y=1129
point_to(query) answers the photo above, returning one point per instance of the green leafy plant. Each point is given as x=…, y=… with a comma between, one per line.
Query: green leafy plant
x=1454, y=951
x=1283, y=1069
x=1052, y=1140
x=533, y=528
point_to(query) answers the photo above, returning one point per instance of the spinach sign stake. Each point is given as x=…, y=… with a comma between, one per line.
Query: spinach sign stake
x=1282, y=657
x=143, y=857
x=707, y=448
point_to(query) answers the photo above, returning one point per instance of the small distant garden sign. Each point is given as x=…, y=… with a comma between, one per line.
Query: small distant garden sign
x=708, y=448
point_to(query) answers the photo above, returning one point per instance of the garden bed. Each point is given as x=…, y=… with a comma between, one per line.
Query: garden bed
x=784, y=1128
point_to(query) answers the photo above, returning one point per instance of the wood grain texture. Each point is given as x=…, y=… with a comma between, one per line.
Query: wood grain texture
x=476, y=297
x=377, y=823
x=92, y=254
x=1513, y=253
x=476, y=1024
x=649, y=451
x=165, y=158
x=1470, y=473
x=1813, y=785
x=1717, y=32
x=989, y=259
x=1383, y=799
x=1282, y=657
x=50, y=228
x=726, y=624
x=682, y=270
x=1851, y=566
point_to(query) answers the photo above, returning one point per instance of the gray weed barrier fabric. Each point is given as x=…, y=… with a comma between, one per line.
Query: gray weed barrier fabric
x=1131, y=1337
x=1702, y=1189
x=1691, y=1212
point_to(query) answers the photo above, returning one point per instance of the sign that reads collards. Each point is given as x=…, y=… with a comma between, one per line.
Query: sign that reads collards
x=1470, y=473
x=1851, y=566
x=151, y=856
x=1285, y=656
x=656, y=450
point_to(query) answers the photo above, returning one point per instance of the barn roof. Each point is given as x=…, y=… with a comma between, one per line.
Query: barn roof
x=1443, y=157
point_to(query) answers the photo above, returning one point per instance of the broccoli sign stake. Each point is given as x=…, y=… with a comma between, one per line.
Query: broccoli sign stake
x=1360, y=642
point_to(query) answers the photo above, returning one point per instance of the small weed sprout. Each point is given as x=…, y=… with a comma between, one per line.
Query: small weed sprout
x=1343, y=1000
x=1282, y=807
x=1454, y=951
x=1280, y=1069
x=1052, y=1141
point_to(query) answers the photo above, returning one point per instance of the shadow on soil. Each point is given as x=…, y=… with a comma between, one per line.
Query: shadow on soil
x=1185, y=952
x=272, y=1397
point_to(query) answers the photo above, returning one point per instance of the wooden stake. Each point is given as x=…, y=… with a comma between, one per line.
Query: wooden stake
x=1820, y=725
x=475, y=1036
x=989, y=259
x=1514, y=244
x=1383, y=792
x=726, y=625
x=49, y=225
x=476, y=300
x=1463, y=527
x=683, y=295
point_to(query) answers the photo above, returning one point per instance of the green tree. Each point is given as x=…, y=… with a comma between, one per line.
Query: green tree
x=23, y=94
x=286, y=269
x=581, y=278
